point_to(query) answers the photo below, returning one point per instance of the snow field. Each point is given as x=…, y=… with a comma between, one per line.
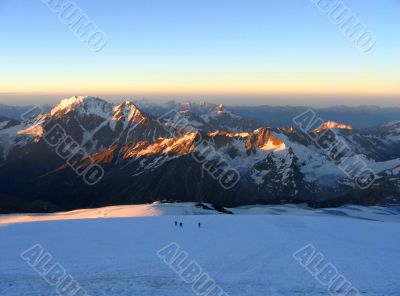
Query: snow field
x=245, y=255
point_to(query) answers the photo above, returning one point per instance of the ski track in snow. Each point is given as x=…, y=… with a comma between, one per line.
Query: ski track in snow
x=246, y=254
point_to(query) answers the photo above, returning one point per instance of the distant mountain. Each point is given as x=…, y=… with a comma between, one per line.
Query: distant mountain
x=385, y=137
x=191, y=152
x=358, y=117
x=6, y=122
x=15, y=112
x=205, y=116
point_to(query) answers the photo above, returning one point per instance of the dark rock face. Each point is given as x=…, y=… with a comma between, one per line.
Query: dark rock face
x=145, y=160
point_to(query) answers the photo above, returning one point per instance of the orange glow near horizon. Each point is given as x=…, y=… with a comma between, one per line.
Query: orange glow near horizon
x=315, y=86
x=298, y=82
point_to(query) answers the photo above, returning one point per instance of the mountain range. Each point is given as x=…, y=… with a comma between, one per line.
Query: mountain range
x=360, y=117
x=86, y=152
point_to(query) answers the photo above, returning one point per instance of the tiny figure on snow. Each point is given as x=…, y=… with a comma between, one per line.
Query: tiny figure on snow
x=176, y=223
x=199, y=225
x=181, y=224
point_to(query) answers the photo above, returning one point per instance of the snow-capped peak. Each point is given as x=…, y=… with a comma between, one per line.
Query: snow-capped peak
x=219, y=113
x=128, y=111
x=393, y=126
x=83, y=104
x=185, y=112
x=67, y=104
x=219, y=109
x=393, y=123
x=333, y=125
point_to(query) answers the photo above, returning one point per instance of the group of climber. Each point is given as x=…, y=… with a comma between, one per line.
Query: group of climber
x=180, y=224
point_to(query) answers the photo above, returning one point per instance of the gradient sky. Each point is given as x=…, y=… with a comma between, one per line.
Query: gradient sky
x=245, y=52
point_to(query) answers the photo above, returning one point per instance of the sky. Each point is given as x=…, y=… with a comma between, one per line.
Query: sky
x=237, y=52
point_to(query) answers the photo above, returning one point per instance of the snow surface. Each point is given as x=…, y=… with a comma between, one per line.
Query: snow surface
x=244, y=254
x=373, y=213
x=4, y=124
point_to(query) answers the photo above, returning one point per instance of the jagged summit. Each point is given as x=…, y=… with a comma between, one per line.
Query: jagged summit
x=149, y=156
x=333, y=125
x=82, y=104
x=219, y=109
x=128, y=111
x=69, y=103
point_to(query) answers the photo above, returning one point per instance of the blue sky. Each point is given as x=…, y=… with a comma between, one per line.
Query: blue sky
x=257, y=50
